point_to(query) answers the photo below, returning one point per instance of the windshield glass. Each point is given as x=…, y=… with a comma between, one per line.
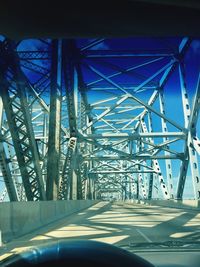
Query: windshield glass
x=99, y=140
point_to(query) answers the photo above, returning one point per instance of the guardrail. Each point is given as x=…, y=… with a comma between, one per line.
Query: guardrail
x=185, y=203
x=19, y=218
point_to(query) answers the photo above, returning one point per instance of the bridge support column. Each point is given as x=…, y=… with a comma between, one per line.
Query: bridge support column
x=190, y=156
x=54, y=123
x=14, y=88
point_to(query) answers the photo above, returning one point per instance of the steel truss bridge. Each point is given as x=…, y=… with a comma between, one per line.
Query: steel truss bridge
x=87, y=119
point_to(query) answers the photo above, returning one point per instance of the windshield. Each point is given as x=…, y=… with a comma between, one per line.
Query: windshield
x=99, y=140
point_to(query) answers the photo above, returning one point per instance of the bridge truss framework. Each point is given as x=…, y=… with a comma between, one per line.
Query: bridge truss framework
x=84, y=120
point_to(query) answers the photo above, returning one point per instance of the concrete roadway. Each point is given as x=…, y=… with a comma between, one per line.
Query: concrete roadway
x=117, y=223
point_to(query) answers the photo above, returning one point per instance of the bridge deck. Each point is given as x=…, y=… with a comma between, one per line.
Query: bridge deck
x=117, y=223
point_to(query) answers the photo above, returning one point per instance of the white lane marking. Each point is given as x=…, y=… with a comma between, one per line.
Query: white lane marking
x=143, y=235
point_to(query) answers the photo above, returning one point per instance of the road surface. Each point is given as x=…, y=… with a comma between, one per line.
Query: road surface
x=117, y=223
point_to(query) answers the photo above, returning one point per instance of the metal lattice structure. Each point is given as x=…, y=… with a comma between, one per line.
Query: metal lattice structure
x=85, y=119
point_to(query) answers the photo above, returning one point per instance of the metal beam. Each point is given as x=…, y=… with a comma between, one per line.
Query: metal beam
x=168, y=164
x=119, y=172
x=8, y=180
x=141, y=157
x=67, y=184
x=4, y=166
x=190, y=156
x=125, y=54
x=53, y=158
x=133, y=136
x=13, y=93
x=71, y=87
x=157, y=168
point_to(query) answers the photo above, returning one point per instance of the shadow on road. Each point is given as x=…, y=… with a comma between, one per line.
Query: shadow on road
x=117, y=224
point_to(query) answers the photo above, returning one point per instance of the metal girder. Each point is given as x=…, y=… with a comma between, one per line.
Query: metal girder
x=34, y=55
x=13, y=93
x=117, y=86
x=149, y=107
x=122, y=171
x=71, y=83
x=141, y=157
x=43, y=104
x=140, y=179
x=4, y=166
x=121, y=100
x=190, y=157
x=150, y=187
x=1, y=112
x=3, y=194
x=196, y=144
x=168, y=164
x=53, y=161
x=126, y=54
x=157, y=168
x=126, y=71
x=133, y=136
x=92, y=44
x=194, y=118
x=192, y=139
x=182, y=174
x=90, y=138
x=34, y=67
x=71, y=87
x=67, y=181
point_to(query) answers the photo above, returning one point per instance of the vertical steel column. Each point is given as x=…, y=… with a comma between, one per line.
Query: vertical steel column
x=4, y=165
x=86, y=147
x=15, y=172
x=157, y=168
x=168, y=164
x=142, y=188
x=194, y=118
x=65, y=185
x=151, y=176
x=7, y=175
x=71, y=86
x=13, y=92
x=3, y=194
x=83, y=150
x=151, y=181
x=44, y=148
x=1, y=112
x=190, y=153
x=89, y=193
x=192, y=144
x=144, y=178
x=137, y=188
x=74, y=177
x=54, y=122
x=85, y=117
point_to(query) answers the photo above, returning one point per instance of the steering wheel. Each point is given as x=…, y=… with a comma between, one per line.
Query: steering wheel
x=76, y=253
